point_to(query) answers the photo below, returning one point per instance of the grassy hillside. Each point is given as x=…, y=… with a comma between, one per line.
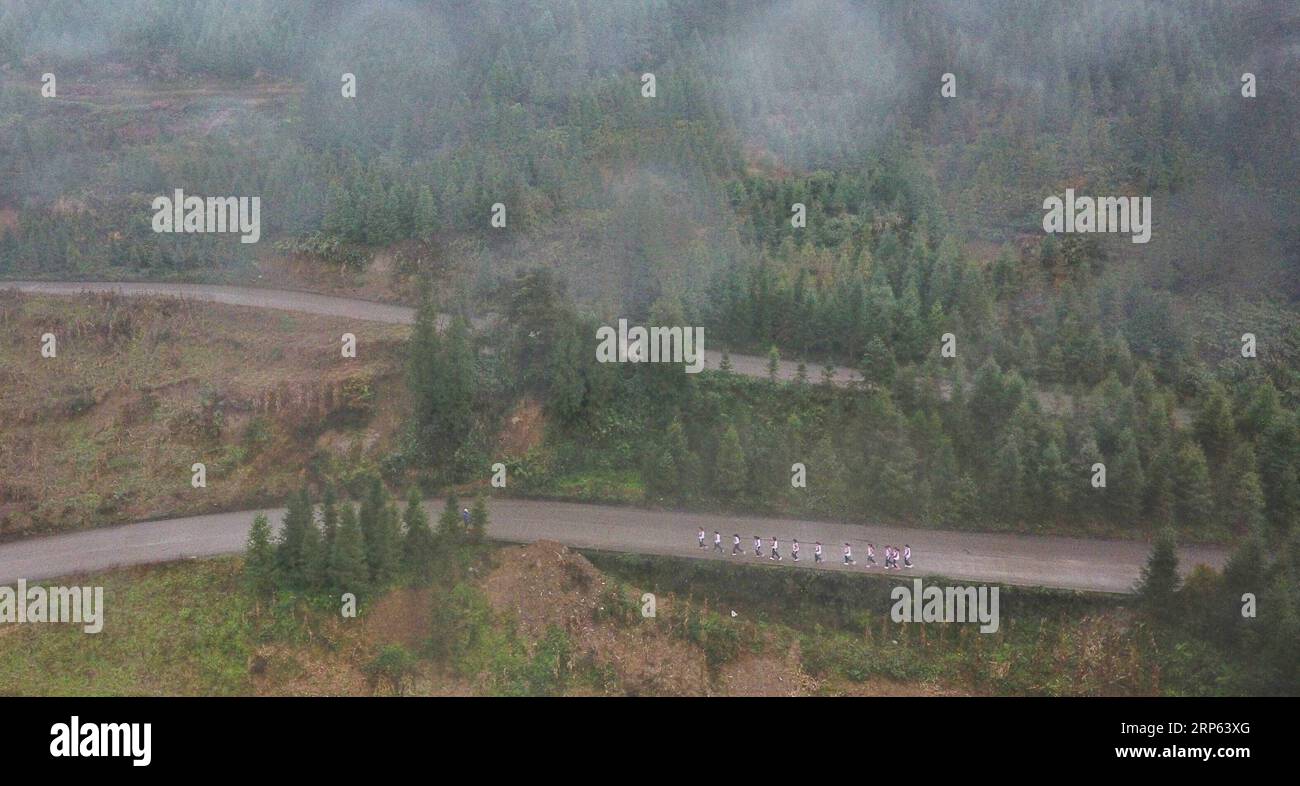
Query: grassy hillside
x=142, y=388
x=542, y=620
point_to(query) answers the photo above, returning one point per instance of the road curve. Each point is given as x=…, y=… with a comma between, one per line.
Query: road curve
x=355, y=308
x=1066, y=563
x=1021, y=560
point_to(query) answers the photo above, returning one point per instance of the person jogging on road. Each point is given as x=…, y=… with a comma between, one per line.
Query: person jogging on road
x=848, y=555
x=776, y=549
x=735, y=544
x=700, y=536
x=794, y=549
x=758, y=546
x=817, y=552
x=907, y=555
x=871, y=555
x=717, y=541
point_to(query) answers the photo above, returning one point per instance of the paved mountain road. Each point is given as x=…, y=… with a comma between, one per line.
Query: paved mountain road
x=1025, y=560
x=1068, y=563
x=353, y=308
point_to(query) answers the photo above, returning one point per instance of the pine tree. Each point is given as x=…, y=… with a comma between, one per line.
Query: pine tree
x=686, y=464
x=450, y=524
x=1125, y=481
x=259, y=558
x=418, y=545
x=329, y=520
x=878, y=366
x=293, y=549
x=424, y=368
x=1158, y=585
x=426, y=214
x=1279, y=465
x=659, y=474
x=441, y=376
x=478, y=520
x=1053, y=480
x=348, y=569
x=1244, y=572
x=1242, y=499
x=1160, y=501
x=315, y=558
x=1009, y=473
x=390, y=523
x=379, y=534
x=1214, y=423
x=732, y=472
x=1193, y=501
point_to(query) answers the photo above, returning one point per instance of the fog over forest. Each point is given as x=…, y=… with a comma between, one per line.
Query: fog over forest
x=883, y=222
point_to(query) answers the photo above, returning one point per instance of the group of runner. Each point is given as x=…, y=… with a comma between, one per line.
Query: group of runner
x=891, y=555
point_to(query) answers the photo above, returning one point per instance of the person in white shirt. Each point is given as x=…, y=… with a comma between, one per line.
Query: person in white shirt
x=758, y=546
x=700, y=535
x=907, y=555
x=871, y=555
x=735, y=544
x=817, y=552
x=717, y=541
x=776, y=545
x=794, y=549
x=848, y=554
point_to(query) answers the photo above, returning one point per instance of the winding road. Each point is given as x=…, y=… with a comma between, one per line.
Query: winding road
x=1024, y=560
x=354, y=308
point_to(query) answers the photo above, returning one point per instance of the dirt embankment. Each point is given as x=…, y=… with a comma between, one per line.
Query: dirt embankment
x=107, y=401
x=545, y=584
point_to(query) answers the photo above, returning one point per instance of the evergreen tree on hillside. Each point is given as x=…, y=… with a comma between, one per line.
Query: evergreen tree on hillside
x=1279, y=467
x=379, y=533
x=259, y=558
x=427, y=221
x=1214, y=423
x=1193, y=501
x=659, y=474
x=478, y=520
x=878, y=366
x=329, y=520
x=450, y=525
x=1125, y=481
x=1053, y=479
x=732, y=471
x=1245, y=572
x=418, y=545
x=1241, y=503
x=314, y=556
x=1009, y=478
x=1158, y=585
x=296, y=543
x=348, y=569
